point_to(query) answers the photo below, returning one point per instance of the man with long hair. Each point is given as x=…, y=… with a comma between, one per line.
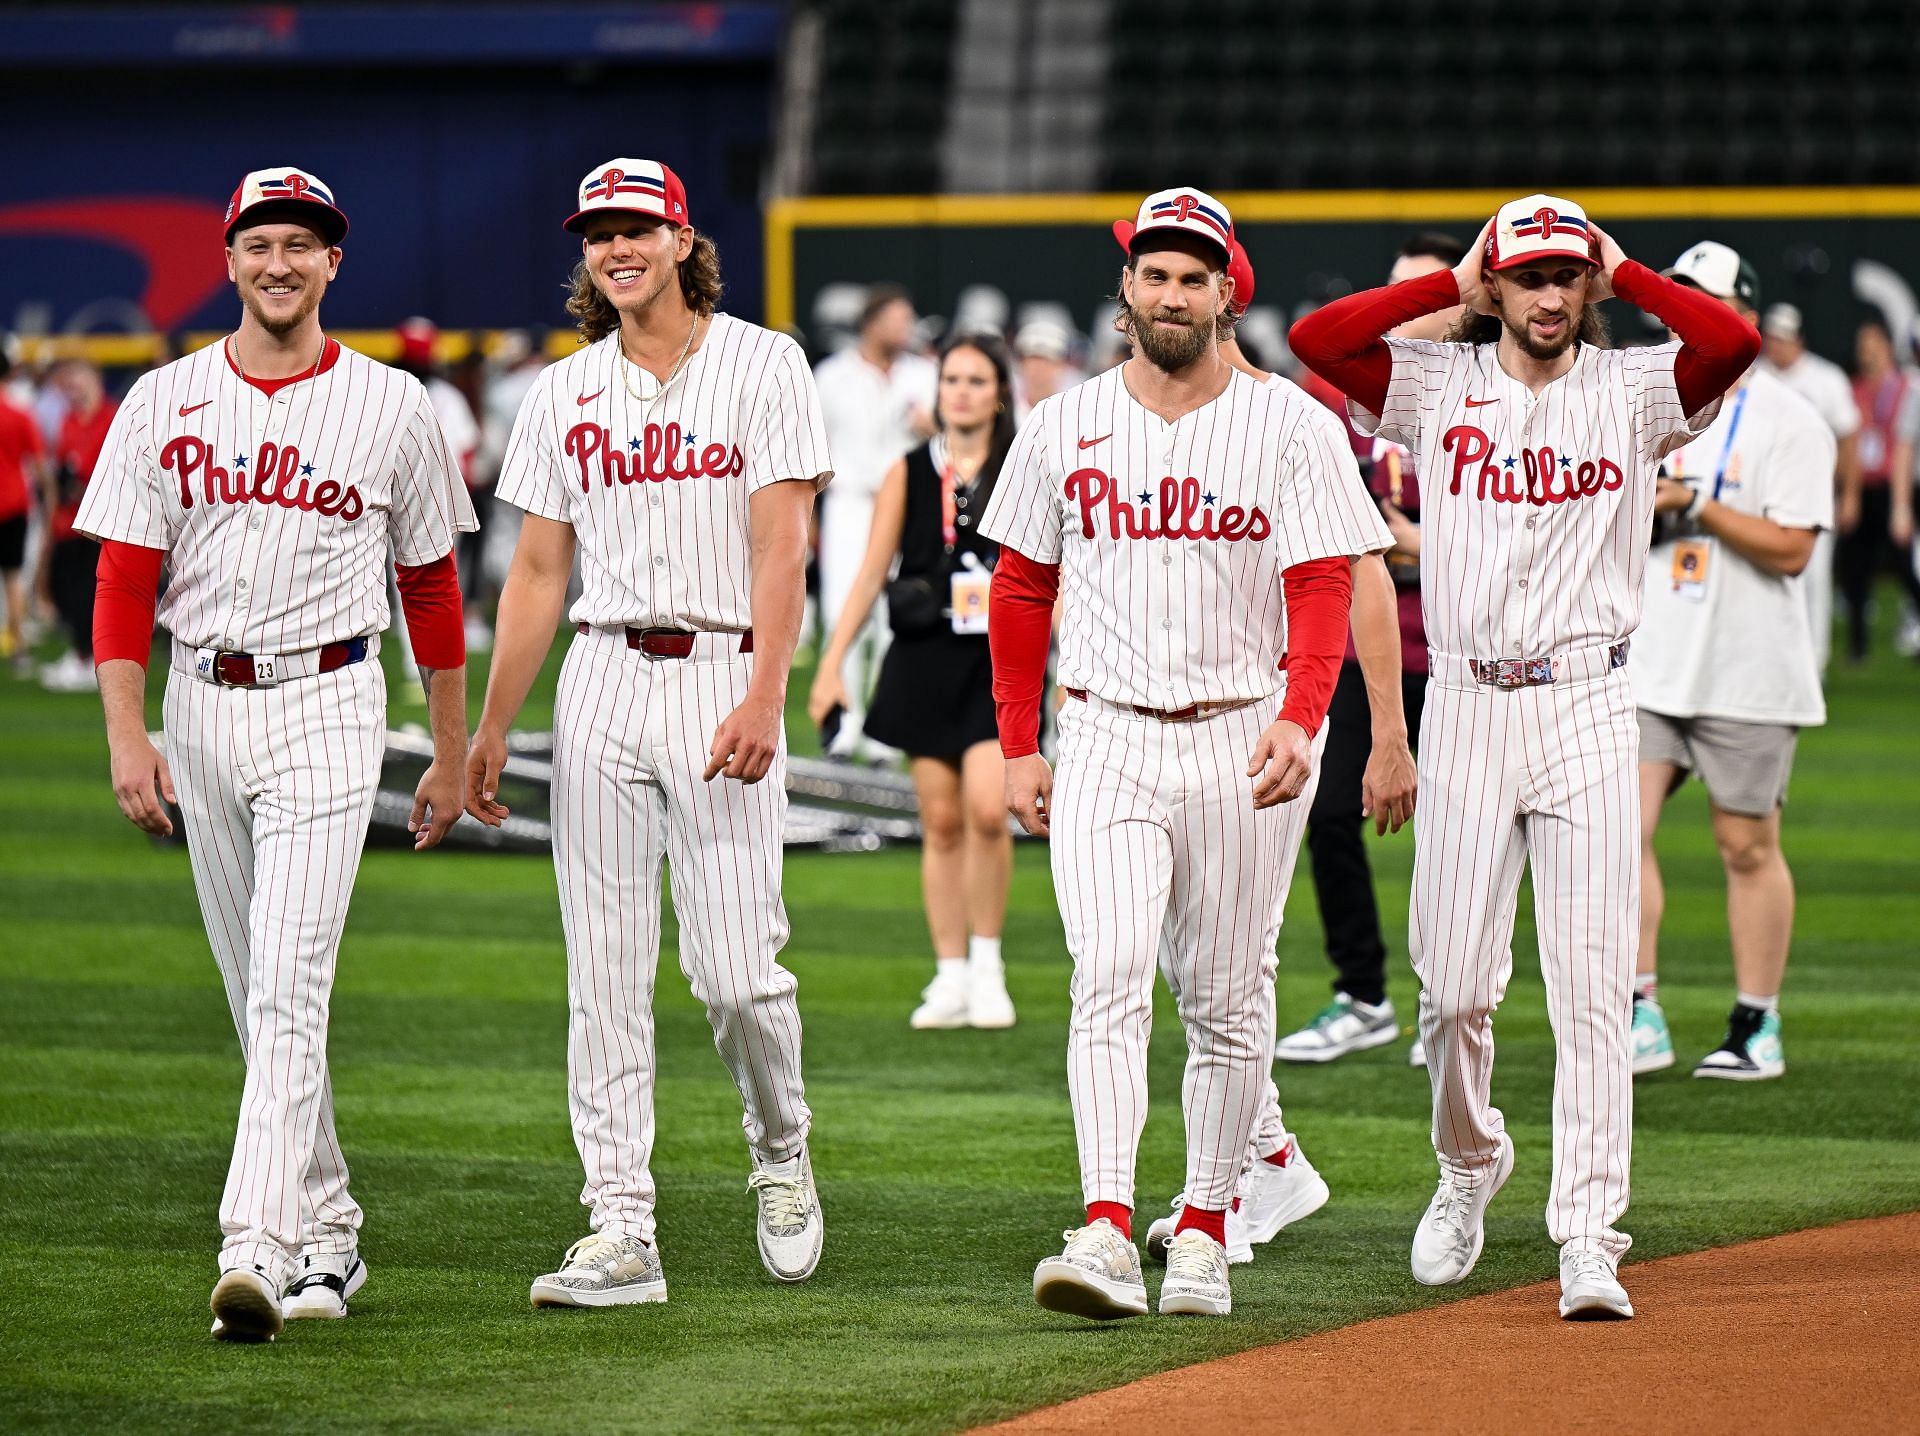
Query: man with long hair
x=679, y=452
x=1197, y=525
x=1538, y=449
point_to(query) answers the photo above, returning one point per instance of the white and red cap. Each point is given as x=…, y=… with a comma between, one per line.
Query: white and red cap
x=632, y=186
x=1190, y=211
x=286, y=187
x=1539, y=227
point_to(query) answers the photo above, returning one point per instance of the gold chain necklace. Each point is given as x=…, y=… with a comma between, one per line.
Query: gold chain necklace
x=672, y=374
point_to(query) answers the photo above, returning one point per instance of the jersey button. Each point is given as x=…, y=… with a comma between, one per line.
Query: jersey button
x=659, y=560
x=1523, y=583
x=1166, y=623
x=255, y=522
x=1532, y=521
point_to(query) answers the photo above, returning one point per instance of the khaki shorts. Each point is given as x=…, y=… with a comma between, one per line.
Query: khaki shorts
x=1744, y=765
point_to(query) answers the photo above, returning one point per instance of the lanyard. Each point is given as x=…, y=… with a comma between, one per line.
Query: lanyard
x=949, y=498
x=1726, y=449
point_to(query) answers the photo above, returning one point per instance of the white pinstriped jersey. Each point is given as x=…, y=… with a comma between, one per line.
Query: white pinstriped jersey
x=1171, y=537
x=277, y=511
x=657, y=494
x=1536, y=510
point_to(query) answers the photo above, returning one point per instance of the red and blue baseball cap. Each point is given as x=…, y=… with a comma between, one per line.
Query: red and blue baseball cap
x=633, y=187
x=1539, y=227
x=1189, y=211
x=299, y=192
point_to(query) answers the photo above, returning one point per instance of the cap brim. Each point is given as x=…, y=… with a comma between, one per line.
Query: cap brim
x=1535, y=256
x=1133, y=243
x=1123, y=231
x=324, y=219
x=578, y=223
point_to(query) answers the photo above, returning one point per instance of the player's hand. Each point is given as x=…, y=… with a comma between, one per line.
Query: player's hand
x=1029, y=789
x=829, y=691
x=1469, y=274
x=486, y=756
x=745, y=743
x=1670, y=496
x=143, y=785
x=1282, y=762
x=1611, y=257
x=436, y=804
x=1387, y=787
x=1406, y=533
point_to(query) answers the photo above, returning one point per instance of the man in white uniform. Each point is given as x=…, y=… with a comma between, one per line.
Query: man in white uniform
x=1198, y=527
x=1537, y=450
x=1725, y=673
x=270, y=474
x=679, y=452
x=1825, y=385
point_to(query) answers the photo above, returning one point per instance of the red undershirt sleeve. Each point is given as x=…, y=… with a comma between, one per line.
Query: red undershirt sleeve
x=1345, y=342
x=430, y=597
x=1019, y=633
x=1717, y=345
x=1319, y=604
x=123, y=599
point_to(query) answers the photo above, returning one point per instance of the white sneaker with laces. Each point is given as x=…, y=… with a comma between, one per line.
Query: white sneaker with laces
x=1097, y=1276
x=988, y=1004
x=246, y=1306
x=946, y=1003
x=323, y=1285
x=1447, y=1242
x=791, y=1228
x=1590, y=1289
x=601, y=1270
x=1275, y=1197
x=1342, y=1026
x=1239, y=1247
x=69, y=673
x=1196, y=1283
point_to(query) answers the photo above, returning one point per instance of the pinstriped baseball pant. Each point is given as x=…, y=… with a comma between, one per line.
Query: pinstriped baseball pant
x=276, y=786
x=631, y=738
x=1550, y=775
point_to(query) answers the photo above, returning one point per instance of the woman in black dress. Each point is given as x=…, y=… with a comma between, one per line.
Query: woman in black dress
x=934, y=698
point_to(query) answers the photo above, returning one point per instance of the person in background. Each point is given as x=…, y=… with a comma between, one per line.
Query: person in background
x=516, y=363
x=934, y=699
x=419, y=340
x=1876, y=519
x=73, y=558
x=22, y=452
x=1041, y=352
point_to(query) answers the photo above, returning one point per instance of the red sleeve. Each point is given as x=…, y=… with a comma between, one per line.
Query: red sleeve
x=1319, y=602
x=128, y=577
x=1019, y=633
x=1345, y=342
x=430, y=597
x=1717, y=345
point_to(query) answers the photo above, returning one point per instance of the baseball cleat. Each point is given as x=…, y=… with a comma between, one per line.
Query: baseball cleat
x=1651, y=1042
x=1342, y=1026
x=1590, y=1289
x=1752, y=1051
x=947, y=1002
x=791, y=1228
x=323, y=1285
x=1447, y=1242
x=246, y=1306
x=1275, y=1197
x=1097, y=1276
x=600, y=1270
x=1239, y=1247
x=1196, y=1283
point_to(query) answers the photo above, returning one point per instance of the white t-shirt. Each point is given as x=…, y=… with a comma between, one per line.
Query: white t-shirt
x=1734, y=641
x=1172, y=537
x=1823, y=384
x=455, y=414
x=657, y=492
x=867, y=412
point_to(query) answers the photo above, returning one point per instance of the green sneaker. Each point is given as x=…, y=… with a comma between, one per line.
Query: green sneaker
x=1752, y=1051
x=1651, y=1043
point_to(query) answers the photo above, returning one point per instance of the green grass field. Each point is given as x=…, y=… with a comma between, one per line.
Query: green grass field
x=945, y=1159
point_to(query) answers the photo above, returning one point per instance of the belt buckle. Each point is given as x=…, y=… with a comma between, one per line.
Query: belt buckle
x=646, y=633
x=220, y=679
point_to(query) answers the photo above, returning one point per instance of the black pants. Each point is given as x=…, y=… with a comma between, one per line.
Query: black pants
x=72, y=568
x=1860, y=557
x=471, y=548
x=1336, y=844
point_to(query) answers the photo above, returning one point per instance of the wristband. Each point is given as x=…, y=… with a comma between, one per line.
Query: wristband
x=1691, y=513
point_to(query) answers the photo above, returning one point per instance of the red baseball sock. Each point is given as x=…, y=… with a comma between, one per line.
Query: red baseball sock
x=1121, y=1217
x=1194, y=1219
x=1281, y=1157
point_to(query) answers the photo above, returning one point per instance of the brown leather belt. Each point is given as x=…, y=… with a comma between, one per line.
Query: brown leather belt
x=236, y=670
x=668, y=642
x=1165, y=715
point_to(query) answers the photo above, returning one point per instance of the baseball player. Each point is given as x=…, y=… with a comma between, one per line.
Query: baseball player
x=1726, y=674
x=1537, y=449
x=270, y=474
x=1197, y=526
x=679, y=452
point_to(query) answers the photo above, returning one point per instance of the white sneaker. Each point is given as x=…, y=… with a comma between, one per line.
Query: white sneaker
x=1417, y=1054
x=324, y=1284
x=1097, y=1276
x=947, y=1002
x=1160, y=1234
x=479, y=635
x=988, y=1004
x=1447, y=1242
x=69, y=673
x=246, y=1306
x=1342, y=1026
x=1272, y=1198
x=1590, y=1289
x=792, y=1230
x=1196, y=1283
x=600, y=1270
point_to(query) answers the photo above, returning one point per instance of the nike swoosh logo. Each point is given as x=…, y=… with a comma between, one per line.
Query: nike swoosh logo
x=585, y=399
x=186, y=409
x=1089, y=443
x=1480, y=403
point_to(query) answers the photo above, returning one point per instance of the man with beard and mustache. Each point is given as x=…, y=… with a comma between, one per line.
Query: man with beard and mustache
x=271, y=473
x=1537, y=451
x=1199, y=528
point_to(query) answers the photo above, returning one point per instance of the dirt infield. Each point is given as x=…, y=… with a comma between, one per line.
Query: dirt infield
x=1791, y=1334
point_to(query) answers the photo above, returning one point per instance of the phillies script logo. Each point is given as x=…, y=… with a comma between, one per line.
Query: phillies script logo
x=1543, y=477
x=1182, y=511
x=278, y=477
x=653, y=456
